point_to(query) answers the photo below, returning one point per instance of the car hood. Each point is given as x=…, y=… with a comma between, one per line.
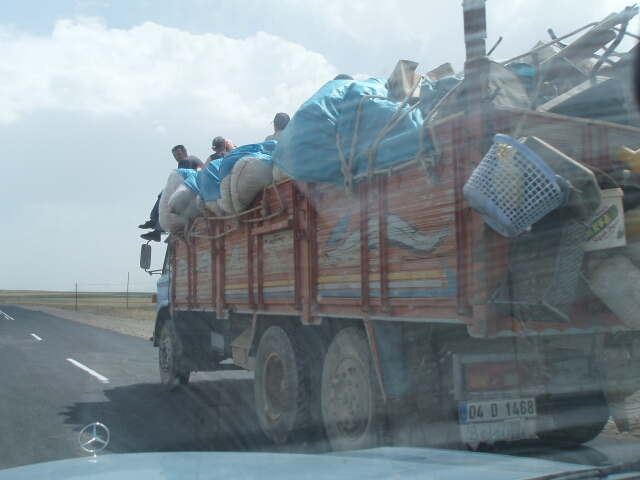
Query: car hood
x=379, y=463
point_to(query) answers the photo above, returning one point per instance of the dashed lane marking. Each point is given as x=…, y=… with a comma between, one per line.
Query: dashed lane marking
x=35, y=336
x=88, y=370
x=6, y=316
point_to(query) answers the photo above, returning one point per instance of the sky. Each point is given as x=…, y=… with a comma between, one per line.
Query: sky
x=94, y=94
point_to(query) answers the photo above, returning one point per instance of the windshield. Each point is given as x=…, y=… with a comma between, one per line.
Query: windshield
x=372, y=224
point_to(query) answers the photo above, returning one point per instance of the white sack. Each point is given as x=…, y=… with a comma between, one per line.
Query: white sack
x=248, y=178
x=225, y=202
x=183, y=202
x=170, y=222
x=279, y=174
x=214, y=206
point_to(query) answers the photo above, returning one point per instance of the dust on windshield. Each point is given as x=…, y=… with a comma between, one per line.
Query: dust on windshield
x=355, y=233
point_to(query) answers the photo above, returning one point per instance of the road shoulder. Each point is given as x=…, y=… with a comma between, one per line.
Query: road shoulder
x=127, y=326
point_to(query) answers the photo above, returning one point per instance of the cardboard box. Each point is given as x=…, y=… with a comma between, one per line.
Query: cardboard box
x=402, y=79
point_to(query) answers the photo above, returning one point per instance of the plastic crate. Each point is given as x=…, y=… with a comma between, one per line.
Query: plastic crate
x=512, y=188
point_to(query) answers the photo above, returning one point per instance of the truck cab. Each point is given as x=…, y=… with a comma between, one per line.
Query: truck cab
x=162, y=296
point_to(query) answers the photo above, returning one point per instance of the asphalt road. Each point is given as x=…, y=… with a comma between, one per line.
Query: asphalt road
x=57, y=376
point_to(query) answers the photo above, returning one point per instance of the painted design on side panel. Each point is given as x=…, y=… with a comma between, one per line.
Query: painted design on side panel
x=181, y=287
x=339, y=230
x=182, y=268
x=204, y=264
x=272, y=249
x=235, y=260
x=400, y=233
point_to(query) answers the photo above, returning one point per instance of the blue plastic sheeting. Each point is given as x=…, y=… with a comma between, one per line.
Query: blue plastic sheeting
x=186, y=172
x=307, y=149
x=432, y=92
x=207, y=181
x=525, y=74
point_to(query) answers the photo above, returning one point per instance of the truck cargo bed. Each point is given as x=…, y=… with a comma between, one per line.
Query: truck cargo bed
x=402, y=246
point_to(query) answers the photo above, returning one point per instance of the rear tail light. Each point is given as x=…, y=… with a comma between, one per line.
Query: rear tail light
x=492, y=376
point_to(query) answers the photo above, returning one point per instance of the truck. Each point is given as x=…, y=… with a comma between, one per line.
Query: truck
x=387, y=312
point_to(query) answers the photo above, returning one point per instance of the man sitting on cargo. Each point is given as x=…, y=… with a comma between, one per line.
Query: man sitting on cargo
x=280, y=121
x=220, y=148
x=184, y=161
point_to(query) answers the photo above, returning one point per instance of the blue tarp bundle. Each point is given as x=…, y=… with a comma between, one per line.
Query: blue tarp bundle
x=207, y=181
x=307, y=149
x=432, y=92
x=186, y=172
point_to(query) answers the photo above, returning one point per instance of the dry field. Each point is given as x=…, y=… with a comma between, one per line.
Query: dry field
x=107, y=304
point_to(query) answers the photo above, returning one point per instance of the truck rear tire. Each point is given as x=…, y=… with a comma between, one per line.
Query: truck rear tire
x=287, y=383
x=168, y=352
x=352, y=404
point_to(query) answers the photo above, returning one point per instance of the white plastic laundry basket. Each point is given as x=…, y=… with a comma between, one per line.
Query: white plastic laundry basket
x=512, y=188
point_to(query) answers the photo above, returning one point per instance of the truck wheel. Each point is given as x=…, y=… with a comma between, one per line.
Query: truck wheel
x=287, y=383
x=352, y=405
x=579, y=419
x=168, y=352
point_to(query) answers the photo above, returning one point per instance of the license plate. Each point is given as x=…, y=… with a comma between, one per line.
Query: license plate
x=475, y=433
x=478, y=412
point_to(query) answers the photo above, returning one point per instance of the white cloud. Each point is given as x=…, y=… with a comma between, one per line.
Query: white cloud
x=94, y=111
x=431, y=32
x=428, y=31
x=98, y=109
x=159, y=128
x=85, y=66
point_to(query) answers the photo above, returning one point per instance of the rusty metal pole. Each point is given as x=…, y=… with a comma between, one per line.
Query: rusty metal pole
x=475, y=28
x=476, y=67
x=474, y=129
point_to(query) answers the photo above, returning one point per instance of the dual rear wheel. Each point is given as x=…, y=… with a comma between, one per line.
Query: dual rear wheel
x=301, y=392
x=287, y=383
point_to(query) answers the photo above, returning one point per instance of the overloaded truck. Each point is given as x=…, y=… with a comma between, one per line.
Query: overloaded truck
x=478, y=292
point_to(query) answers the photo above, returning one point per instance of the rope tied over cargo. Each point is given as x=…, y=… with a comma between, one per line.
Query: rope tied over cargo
x=264, y=215
x=426, y=156
x=390, y=125
x=393, y=121
x=347, y=164
x=430, y=152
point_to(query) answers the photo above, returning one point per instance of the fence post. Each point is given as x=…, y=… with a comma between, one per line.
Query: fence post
x=127, y=290
x=76, y=297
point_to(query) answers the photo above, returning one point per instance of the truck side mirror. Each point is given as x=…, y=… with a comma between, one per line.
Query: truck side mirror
x=145, y=256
